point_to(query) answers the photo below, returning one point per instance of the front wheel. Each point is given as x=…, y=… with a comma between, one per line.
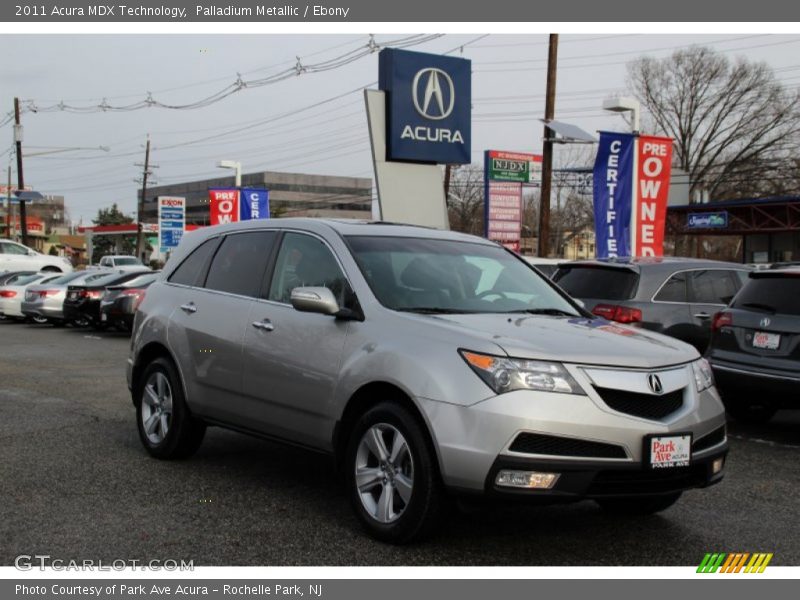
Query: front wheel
x=392, y=475
x=647, y=505
x=166, y=427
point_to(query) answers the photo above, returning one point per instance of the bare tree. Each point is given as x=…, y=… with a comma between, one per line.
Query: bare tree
x=465, y=202
x=732, y=121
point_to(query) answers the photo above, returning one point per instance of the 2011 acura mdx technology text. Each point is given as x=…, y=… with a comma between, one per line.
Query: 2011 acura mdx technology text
x=429, y=363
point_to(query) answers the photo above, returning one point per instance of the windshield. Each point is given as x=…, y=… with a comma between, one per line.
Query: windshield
x=777, y=295
x=429, y=275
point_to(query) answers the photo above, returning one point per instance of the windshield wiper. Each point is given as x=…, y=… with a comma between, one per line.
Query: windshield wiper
x=433, y=310
x=556, y=312
x=759, y=306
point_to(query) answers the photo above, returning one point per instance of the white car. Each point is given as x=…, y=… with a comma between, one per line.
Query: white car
x=120, y=263
x=16, y=257
x=11, y=296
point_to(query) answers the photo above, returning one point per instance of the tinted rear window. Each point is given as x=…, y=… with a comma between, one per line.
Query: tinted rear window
x=778, y=294
x=601, y=283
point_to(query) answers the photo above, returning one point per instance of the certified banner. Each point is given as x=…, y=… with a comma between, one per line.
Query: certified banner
x=254, y=204
x=613, y=193
x=224, y=205
x=653, y=167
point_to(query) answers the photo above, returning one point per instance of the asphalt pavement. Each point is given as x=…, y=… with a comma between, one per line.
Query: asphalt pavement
x=76, y=484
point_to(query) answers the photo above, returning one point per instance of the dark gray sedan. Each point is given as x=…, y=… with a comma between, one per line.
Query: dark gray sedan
x=670, y=295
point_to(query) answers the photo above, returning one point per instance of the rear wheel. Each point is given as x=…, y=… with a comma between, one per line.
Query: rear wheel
x=39, y=319
x=647, y=505
x=392, y=475
x=166, y=427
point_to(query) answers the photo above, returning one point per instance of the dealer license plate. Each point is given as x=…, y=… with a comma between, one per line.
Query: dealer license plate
x=770, y=341
x=669, y=451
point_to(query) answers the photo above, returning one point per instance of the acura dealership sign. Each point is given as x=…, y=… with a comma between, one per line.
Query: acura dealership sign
x=428, y=106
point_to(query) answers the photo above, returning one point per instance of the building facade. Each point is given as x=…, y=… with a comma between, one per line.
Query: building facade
x=290, y=195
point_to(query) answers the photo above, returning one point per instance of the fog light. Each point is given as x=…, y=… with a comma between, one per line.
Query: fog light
x=526, y=479
x=717, y=465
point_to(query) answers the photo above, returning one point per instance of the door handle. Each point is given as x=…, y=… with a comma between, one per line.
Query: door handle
x=265, y=325
x=189, y=308
x=702, y=315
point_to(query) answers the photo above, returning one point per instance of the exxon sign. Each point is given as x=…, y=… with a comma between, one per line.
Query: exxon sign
x=428, y=107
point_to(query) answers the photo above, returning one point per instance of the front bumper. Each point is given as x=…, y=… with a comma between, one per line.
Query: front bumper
x=473, y=442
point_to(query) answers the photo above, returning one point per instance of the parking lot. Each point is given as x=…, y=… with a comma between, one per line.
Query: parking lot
x=75, y=483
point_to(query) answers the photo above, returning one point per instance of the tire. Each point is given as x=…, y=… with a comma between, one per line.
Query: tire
x=399, y=501
x=639, y=506
x=81, y=322
x=39, y=319
x=167, y=429
x=750, y=410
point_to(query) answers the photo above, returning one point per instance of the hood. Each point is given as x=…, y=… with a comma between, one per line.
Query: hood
x=574, y=340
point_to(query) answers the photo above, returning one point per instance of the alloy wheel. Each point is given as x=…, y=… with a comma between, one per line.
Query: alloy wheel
x=384, y=472
x=156, y=408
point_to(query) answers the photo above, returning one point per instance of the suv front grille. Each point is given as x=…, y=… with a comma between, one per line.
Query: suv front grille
x=534, y=443
x=647, y=406
x=712, y=439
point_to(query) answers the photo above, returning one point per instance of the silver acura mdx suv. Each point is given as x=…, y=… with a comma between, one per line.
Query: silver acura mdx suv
x=429, y=363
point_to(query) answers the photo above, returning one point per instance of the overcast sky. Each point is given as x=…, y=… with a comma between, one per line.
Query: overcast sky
x=252, y=126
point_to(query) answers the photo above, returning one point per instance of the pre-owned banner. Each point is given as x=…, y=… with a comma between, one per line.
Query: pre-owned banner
x=653, y=166
x=224, y=205
x=613, y=193
x=631, y=187
x=254, y=204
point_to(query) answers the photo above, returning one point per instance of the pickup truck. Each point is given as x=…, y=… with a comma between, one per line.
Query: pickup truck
x=119, y=263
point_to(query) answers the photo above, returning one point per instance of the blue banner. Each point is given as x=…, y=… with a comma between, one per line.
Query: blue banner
x=253, y=204
x=613, y=194
x=428, y=106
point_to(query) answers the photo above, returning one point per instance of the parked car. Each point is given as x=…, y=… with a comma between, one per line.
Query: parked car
x=427, y=362
x=11, y=296
x=44, y=302
x=755, y=346
x=120, y=263
x=16, y=257
x=547, y=266
x=669, y=295
x=10, y=277
x=82, y=302
x=118, y=305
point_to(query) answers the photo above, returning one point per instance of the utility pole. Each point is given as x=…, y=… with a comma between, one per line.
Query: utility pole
x=8, y=204
x=140, y=213
x=547, y=151
x=23, y=221
x=447, y=173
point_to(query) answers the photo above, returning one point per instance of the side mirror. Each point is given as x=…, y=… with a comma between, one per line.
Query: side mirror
x=32, y=253
x=315, y=300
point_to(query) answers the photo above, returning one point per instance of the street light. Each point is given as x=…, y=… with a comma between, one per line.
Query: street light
x=232, y=164
x=625, y=104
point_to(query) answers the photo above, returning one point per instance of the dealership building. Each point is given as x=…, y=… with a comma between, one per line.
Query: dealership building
x=290, y=195
x=769, y=228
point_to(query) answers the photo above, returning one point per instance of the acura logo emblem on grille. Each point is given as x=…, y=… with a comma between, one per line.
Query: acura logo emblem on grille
x=765, y=322
x=654, y=381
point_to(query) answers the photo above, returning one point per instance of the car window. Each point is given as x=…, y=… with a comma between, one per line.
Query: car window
x=127, y=261
x=770, y=294
x=239, y=264
x=712, y=286
x=13, y=249
x=26, y=279
x=305, y=261
x=192, y=266
x=67, y=278
x=602, y=283
x=446, y=275
x=674, y=290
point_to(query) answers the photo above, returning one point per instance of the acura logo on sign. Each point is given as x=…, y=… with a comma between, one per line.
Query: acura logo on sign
x=429, y=99
x=654, y=381
x=765, y=322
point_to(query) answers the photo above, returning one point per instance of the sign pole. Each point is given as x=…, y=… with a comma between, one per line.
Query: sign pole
x=23, y=221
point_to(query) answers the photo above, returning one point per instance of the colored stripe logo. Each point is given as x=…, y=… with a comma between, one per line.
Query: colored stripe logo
x=736, y=562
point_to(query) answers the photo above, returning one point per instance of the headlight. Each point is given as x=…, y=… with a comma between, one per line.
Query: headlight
x=507, y=374
x=703, y=376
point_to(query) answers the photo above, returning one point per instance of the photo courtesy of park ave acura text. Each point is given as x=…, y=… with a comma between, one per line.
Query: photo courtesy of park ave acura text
x=452, y=299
